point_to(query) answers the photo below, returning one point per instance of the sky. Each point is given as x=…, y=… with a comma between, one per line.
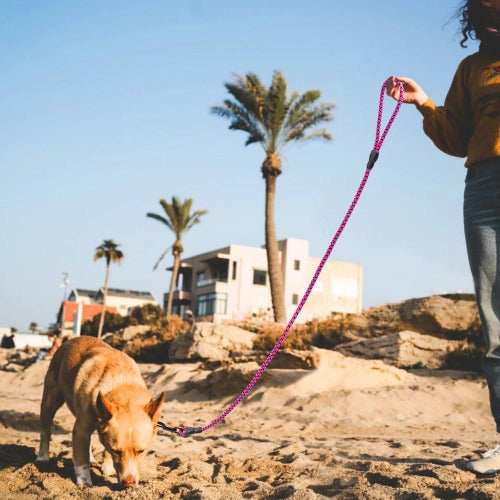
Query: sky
x=105, y=109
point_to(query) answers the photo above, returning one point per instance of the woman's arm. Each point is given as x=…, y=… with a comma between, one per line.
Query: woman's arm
x=449, y=126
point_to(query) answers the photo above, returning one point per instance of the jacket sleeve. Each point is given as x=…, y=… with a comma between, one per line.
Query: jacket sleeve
x=450, y=126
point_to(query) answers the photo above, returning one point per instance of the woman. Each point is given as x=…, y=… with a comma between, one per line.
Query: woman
x=468, y=125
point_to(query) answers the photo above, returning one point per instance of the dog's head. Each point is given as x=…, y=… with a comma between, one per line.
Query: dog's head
x=126, y=431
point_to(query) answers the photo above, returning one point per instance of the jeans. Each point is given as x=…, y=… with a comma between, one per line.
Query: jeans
x=482, y=235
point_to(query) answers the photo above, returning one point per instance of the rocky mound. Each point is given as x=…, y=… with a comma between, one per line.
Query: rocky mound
x=441, y=331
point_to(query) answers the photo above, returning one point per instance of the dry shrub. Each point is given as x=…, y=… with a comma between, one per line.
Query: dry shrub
x=153, y=345
x=338, y=329
x=326, y=333
x=269, y=335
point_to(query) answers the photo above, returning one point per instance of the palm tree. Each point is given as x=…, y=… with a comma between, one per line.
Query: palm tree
x=108, y=250
x=179, y=219
x=33, y=327
x=273, y=119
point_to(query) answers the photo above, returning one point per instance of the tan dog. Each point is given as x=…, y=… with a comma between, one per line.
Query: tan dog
x=105, y=391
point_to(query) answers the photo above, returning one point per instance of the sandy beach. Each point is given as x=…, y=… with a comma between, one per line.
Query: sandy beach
x=352, y=428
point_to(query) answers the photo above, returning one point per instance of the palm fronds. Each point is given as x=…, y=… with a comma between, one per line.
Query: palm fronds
x=269, y=116
x=108, y=250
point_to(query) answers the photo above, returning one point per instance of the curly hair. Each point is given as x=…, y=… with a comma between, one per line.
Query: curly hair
x=472, y=15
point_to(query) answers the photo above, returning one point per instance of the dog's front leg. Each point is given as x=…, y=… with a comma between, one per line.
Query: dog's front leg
x=81, y=452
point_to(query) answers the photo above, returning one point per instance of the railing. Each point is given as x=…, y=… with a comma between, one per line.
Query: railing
x=206, y=282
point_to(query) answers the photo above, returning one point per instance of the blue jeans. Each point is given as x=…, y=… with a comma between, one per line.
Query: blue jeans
x=482, y=235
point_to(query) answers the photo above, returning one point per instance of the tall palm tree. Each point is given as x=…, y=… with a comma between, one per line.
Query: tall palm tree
x=179, y=219
x=273, y=119
x=108, y=250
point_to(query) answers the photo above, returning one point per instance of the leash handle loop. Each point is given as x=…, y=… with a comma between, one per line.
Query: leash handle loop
x=379, y=140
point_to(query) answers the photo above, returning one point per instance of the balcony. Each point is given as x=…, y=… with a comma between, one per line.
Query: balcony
x=182, y=294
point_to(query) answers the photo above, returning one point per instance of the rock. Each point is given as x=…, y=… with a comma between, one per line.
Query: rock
x=12, y=367
x=4, y=354
x=14, y=360
x=404, y=349
x=439, y=316
x=453, y=317
x=209, y=342
x=293, y=359
x=131, y=331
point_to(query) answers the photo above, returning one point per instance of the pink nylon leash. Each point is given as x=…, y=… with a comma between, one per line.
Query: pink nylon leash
x=186, y=431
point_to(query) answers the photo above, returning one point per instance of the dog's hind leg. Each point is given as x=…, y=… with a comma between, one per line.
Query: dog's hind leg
x=81, y=451
x=52, y=400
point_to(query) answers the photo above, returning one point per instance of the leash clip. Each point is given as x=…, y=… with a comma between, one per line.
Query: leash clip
x=182, y=430
x=187, y=431
x=372, y=159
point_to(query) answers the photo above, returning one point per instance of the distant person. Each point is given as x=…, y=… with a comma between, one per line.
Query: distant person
x=468, y=125
x=189, y=319
x=44, y=353
x=8, y=342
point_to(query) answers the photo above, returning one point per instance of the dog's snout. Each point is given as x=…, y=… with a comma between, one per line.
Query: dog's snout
x=129, y=481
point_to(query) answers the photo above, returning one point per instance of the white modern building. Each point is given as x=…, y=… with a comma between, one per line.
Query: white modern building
x=233, y=283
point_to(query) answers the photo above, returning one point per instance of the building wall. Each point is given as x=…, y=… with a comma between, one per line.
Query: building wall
x=22, y=340
x=296, y=280
x=338, y=289
x=125, y=304
x=245, y=297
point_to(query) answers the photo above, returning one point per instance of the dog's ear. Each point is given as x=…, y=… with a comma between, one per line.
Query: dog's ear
x=153, y=408
x=104, y=408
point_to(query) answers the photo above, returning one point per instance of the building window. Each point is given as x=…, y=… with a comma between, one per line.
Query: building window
x=202, y=280
x=296, y=265
x=211, y=303
x=234, y=270
x=295, y=299
x=259, y=277
x=200, y=277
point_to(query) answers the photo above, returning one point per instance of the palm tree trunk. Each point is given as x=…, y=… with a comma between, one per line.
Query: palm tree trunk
x=104, y=299
x=173, y=279
x=273, y=261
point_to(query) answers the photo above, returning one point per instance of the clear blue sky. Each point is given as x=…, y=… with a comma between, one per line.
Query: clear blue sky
x=104, y=110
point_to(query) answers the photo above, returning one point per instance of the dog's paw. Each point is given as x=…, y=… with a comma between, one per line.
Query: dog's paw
x=108, y=469
x=42, y=457
x=82, y=473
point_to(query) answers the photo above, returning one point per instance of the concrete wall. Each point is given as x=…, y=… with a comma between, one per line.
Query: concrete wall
x=21, y=340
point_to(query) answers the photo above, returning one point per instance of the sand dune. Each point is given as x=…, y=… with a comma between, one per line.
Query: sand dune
x=350, y=429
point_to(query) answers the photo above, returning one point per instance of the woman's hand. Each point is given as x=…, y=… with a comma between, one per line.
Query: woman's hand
x=414, y=93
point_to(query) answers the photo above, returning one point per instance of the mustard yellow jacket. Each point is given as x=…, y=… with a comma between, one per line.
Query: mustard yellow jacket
x=468, y=125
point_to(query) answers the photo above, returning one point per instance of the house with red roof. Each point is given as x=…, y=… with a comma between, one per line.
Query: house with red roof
x=83, y=304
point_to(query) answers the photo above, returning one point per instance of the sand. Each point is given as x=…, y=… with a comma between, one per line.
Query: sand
x=350, y=429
